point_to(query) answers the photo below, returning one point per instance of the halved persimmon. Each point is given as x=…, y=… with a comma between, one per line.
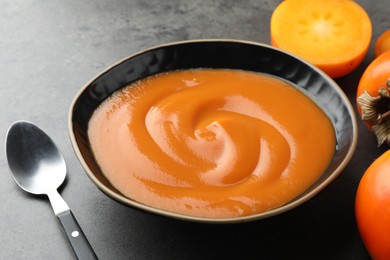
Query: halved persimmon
x=332, y=34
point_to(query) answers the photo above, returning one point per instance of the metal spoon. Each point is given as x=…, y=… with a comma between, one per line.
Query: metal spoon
x=39, y=168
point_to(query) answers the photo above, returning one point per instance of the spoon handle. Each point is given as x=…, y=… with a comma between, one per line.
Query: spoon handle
x=75, y=235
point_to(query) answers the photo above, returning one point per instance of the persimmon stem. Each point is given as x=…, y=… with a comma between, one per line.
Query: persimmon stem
x=370, y=107
x=384, y=116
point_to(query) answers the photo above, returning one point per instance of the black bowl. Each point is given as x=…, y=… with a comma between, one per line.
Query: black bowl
x=230, y=54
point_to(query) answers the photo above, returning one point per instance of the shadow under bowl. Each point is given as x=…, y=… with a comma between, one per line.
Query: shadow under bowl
x=228, y=54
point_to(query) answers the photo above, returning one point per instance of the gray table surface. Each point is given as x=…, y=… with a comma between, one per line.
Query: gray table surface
x=50, y=48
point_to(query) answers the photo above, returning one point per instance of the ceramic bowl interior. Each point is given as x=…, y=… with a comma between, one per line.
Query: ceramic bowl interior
x=231, y=54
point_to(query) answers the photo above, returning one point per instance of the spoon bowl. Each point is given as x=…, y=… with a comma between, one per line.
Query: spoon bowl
x=41, y=158
x=39, y=168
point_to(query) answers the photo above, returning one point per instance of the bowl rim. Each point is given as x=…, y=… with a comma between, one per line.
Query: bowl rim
x=288, y=206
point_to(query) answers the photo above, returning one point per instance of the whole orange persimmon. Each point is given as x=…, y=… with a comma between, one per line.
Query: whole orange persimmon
x=382, y=44
x=373, y=97
x=372, y=208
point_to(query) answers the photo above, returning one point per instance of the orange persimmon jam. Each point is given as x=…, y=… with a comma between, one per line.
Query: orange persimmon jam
x=211, y=143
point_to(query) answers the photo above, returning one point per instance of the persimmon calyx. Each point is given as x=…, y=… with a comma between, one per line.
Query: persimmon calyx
x=376, y=111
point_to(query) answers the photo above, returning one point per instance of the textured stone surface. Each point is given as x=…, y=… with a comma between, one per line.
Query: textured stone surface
x=50, y=48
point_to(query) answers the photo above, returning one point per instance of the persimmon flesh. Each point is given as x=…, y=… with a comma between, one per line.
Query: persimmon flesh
x=332, y=34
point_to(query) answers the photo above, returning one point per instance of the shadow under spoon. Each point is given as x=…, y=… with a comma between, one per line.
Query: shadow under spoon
x=39, y=168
